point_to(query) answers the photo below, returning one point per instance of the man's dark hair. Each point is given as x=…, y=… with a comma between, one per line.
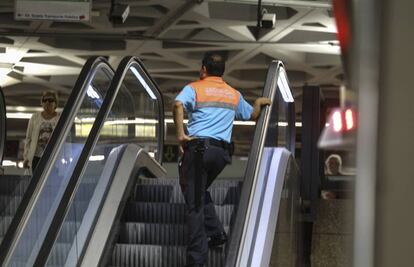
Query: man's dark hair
x=214, y=63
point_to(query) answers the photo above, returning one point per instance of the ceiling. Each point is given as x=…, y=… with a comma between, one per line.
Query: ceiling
x=170, y=36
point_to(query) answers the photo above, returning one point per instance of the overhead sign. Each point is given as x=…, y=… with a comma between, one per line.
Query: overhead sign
x=56, y=10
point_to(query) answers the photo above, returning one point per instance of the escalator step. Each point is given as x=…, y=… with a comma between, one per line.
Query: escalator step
x=68, y=231
x=4, y=224
x=13, y=184
x=168, y=193
x=154, y=234
x=9, y=204
x=126, y=255
x=11, y=197
x=175, y=182
x=59, y=254
x=168, y=213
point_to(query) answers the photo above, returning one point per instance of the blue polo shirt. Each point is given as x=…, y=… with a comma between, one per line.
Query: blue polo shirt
x=213, y=122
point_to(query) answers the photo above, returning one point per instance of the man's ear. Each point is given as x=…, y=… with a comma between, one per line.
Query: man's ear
x=203, y=72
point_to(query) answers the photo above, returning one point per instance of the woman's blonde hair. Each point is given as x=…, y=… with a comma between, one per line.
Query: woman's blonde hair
x=50, y=94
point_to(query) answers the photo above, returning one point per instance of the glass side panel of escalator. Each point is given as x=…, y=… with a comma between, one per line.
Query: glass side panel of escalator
x=134, y=117
x=39, y=218
x=3, y=130
x=281, y=127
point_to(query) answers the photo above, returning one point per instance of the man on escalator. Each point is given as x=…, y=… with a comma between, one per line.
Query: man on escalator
x=211, y=105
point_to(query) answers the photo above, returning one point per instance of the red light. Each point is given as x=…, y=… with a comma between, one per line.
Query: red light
x=342, y=17
x=337, y=121
x=349, y=119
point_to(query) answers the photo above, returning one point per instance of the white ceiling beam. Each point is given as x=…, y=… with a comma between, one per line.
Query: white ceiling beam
x=294, y=3
x=166, y=21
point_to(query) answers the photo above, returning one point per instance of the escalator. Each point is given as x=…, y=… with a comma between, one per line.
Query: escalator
x=19, y=194
x=120, y=210
x=3, y=126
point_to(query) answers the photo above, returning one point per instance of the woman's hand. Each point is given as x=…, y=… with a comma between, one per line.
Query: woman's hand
x=26, y=164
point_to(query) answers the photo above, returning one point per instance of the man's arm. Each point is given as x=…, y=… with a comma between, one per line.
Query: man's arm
x=259, y=103
x=178, y=113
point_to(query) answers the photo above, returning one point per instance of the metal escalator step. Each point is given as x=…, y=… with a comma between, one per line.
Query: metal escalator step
x=125, y=255
x=77, y=210
x=9, y=204
x=59, y=254
x=11, y=196
x=85, y=191
x=169, y=213
x=68, y=231
x=158, y=193
x=4, y=224
x=168, y=193
x=13, y=184
x=175, y=182
x=154, y=234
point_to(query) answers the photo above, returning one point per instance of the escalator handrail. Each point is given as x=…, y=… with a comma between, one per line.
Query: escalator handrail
x=252, y=169
x=98, y=247
x=49, y=156
x=125, y=64
x=70, y=190
x=3, y=122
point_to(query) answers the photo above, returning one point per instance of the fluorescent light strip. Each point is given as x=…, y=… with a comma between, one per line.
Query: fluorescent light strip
x=27, y=109
x=84, y=120
x=136, y=121
x=247, y=123
x=283, y=86
x=143, y=82
x=97, y=158
x=7, y=163
x=91, y=92
x=18, y=115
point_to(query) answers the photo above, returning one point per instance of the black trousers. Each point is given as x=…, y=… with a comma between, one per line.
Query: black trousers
x=35, y=161
x=200, y=165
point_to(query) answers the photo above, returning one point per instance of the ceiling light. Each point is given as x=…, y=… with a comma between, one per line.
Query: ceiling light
x=283, y=86
x=9, y=163
x=92, y=93
x=97, y=158
x=18, y=115
x=143, y=82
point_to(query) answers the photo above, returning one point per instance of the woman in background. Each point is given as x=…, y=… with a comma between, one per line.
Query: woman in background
x=333, y=167
x=39, y=130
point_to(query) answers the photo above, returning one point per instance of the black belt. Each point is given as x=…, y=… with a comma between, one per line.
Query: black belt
x=209, y=141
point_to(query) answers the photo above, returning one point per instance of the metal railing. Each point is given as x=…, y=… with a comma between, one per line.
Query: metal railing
x=40, y=175
x=262, y=137
x=106, y=111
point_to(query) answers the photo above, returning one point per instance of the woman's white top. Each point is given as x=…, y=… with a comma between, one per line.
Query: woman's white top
x=38, y=134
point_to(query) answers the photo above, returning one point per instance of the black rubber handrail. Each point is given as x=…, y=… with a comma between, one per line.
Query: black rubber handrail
x=58, y=136
x=73, y=183
x=3, y=125
x=270, y=91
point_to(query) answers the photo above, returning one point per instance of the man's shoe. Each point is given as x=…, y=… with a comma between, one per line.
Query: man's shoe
x=217, y=240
